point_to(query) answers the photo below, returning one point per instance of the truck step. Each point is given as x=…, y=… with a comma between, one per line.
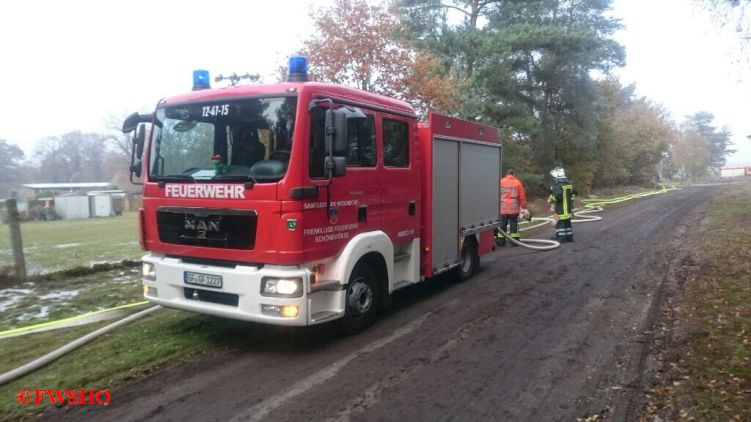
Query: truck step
x=401, y=257
x=401, y=284
x=322, y=316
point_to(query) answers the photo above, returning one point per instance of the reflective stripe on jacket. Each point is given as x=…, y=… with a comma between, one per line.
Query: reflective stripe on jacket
x=562, y=194
x=513, y=197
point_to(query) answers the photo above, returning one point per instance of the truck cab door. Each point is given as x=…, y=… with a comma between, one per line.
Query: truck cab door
x=399, y=180
x=347, y=204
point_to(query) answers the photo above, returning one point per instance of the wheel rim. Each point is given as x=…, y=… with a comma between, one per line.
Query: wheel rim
x=360, y=297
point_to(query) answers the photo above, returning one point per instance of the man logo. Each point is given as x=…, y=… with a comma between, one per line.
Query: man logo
x=201, y=227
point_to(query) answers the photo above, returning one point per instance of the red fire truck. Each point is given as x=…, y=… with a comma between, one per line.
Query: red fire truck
x=300, y=202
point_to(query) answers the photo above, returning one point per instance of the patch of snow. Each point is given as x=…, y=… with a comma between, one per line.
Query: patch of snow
x=15, y=291
x=65, y=294
x=67, y=245
x=9, y=297
x=44, y=312
x=8, y=302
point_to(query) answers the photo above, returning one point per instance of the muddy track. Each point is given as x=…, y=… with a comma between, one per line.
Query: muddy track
x=534, y=336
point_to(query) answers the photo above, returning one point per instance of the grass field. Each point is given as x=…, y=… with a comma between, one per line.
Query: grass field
x=57, y=245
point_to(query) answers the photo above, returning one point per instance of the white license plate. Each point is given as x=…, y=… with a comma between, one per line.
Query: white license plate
x=199, y=279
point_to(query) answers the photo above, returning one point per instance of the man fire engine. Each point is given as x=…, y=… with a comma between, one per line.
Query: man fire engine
x=299, y=203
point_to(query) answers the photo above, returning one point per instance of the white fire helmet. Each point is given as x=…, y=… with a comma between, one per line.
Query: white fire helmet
x=558, y=173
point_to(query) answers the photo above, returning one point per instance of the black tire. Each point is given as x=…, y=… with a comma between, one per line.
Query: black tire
x=469, y=260
x=361, y=300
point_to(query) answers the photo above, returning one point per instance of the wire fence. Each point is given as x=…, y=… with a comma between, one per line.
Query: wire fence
x=64, y=244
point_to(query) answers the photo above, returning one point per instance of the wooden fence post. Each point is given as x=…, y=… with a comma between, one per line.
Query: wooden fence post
x=15, y=238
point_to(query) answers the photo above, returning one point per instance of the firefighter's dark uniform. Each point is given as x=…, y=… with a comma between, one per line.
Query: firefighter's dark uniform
x=562, y=195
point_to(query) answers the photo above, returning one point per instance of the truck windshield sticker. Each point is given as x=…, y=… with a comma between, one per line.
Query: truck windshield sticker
x=212, y=191
x=215, y=110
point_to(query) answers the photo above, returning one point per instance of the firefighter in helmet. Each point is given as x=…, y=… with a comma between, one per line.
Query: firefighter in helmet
x=513, y=200
x=562, y=195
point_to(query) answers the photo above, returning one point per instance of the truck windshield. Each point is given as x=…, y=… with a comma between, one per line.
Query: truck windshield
x=230, y=140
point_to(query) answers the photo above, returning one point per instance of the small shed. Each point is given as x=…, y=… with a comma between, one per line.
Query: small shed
x=106, y=203
x=72, y=206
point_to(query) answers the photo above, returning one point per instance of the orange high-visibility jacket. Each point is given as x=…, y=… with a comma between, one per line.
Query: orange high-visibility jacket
x=513, y=197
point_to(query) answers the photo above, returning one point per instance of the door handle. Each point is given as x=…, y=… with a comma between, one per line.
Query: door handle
x=362, y=213
x=411, y=208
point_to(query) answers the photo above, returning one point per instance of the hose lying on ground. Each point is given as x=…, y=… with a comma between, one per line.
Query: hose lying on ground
x=548, y=244
x=590, y=206
x=56, y=354
x=86, y=318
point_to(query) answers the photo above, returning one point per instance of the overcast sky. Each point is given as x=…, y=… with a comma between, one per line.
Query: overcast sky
x=69, y=65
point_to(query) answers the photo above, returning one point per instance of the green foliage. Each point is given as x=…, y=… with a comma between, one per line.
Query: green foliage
x=527, y=66
x=539, y=69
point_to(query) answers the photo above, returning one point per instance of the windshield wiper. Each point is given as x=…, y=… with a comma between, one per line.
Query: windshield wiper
x=174, y=178
x=233, y=178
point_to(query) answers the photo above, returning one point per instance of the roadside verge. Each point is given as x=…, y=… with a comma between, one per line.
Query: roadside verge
x=703, y=341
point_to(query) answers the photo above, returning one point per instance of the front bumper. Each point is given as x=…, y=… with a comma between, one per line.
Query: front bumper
x=240, y=295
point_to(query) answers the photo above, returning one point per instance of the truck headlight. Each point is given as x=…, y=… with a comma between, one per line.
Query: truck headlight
x=281, y=287
x=148, y=271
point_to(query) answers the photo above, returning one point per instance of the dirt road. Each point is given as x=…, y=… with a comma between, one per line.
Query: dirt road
x=534, y=336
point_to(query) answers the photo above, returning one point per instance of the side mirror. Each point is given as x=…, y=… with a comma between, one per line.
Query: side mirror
x=135, y=169
x=336, y=140
x=335, y=166
x=337, y=123
x=139, y=140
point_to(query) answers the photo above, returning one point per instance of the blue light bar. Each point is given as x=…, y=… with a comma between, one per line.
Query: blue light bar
x=298, y=69
x=201, y=80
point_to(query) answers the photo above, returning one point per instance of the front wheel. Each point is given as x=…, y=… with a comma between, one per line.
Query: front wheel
x=469, y=260
x=361, y=300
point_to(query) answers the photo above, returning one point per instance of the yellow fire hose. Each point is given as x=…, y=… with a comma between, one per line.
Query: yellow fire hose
x=590, y=206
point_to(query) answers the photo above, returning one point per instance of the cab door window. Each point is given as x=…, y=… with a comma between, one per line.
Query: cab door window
x=361, y=143
x=395, y=143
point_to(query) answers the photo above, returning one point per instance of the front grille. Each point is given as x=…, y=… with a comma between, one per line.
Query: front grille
x=212, y=228
x=220, y=298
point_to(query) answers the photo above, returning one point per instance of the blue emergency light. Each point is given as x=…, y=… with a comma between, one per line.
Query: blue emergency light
x=201, y=80
x=298, y=69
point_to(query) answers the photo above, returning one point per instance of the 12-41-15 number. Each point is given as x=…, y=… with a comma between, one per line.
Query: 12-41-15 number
x=216, y=110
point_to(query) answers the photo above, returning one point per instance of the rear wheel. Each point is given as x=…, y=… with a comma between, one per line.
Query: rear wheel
x=469, y=260
x=361, y=300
